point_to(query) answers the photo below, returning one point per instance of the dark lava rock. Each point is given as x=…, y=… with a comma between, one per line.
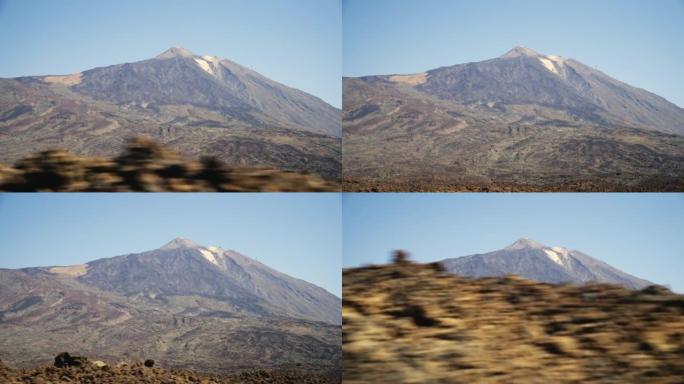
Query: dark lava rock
x=64, y=359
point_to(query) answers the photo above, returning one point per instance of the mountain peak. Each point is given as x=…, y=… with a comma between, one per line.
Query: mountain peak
x=519, y=51
x=175, y=52
x=525, y=242
x=180, y=242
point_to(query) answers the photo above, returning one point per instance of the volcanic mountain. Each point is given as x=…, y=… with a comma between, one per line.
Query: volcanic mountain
x=532, y=260
x=198, y=105
x=183, y=304
x=521, y=121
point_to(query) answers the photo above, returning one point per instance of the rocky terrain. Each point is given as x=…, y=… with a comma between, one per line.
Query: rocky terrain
x=520, y=122
x=535, y=261
x=183, y=305
x=195, y=105
x=145, y=165
x=88, y=372
x=412, y=323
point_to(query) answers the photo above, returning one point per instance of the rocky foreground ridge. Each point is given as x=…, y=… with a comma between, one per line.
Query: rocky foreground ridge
x=413, y=323
x=76, y=369
x=146, y=166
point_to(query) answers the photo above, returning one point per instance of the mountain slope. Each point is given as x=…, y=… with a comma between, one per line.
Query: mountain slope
x=523, y=121
x=523, y=76
x=183, y=268
x=184, y=305
x=413, y=323
x=532, y=260
x=197, y=105
x=179, y=77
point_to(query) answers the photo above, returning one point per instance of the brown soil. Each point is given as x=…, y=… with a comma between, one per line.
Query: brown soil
x=652, y=185
x=411, y=323
x=90, y=373
x=147, y=166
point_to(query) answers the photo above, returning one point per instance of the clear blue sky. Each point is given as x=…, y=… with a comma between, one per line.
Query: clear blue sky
x=295, y=42
x=298, y=234
x=636, y=41
x=640, y=234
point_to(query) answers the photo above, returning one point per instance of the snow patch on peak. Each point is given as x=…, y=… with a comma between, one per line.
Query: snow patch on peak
x=209, y=255
x=558, y=255
x=205, y=66
x=214, y=249
x=548, y=64
x=553, y=256
x=552, y=62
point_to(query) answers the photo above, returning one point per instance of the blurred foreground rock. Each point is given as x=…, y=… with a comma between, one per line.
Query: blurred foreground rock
x=138, y=372
x=413, y=323
x=147, y=166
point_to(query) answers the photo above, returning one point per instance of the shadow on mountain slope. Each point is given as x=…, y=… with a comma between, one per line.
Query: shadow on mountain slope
x=146, y=166
x=412, y=323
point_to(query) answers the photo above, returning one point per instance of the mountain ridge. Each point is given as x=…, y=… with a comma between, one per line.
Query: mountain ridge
x=533, y=260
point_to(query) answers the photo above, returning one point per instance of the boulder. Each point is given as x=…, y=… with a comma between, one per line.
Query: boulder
x=64, y=359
